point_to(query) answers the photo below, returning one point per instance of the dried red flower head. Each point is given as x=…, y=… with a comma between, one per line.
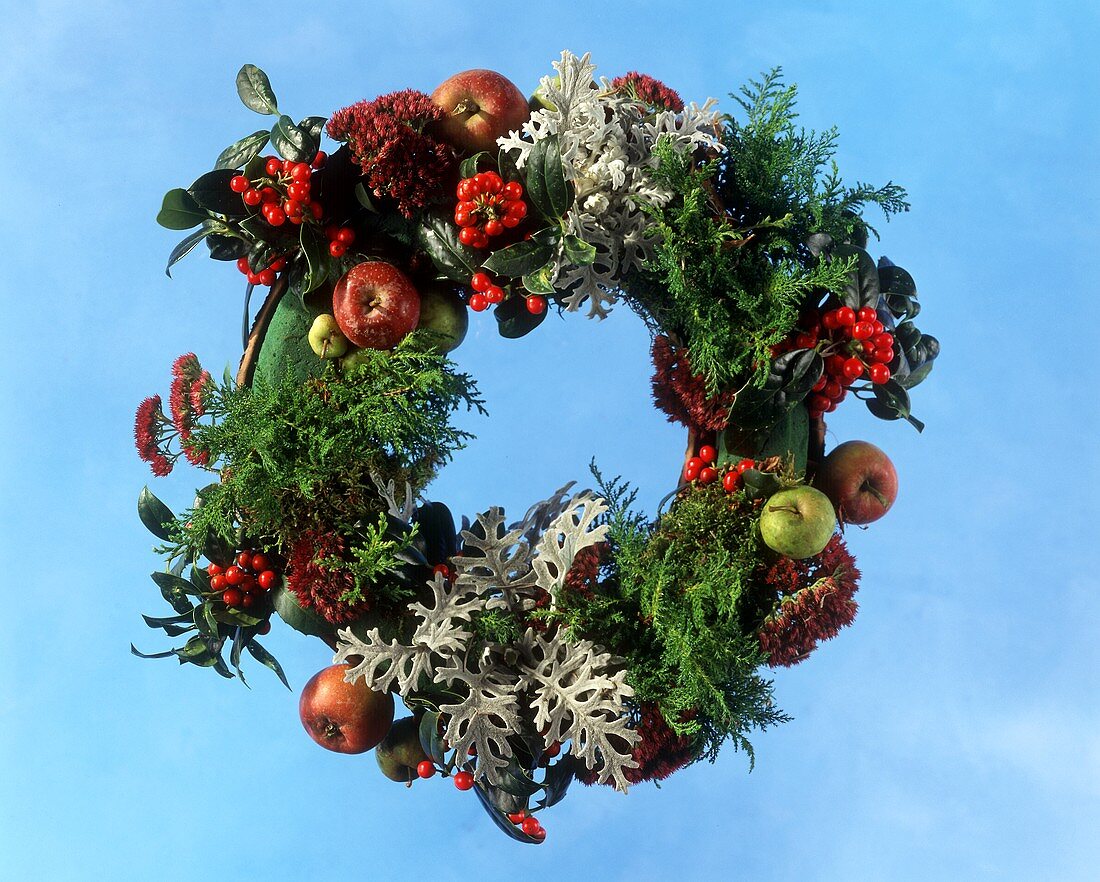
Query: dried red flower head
x=200, y=388
x=319, y=585
x=659, y=752
x=682, y=395
x=585, y=571
x=187, y=367
x=148, y=423
x=651, y=92
x=389, y=138
x=812, y=602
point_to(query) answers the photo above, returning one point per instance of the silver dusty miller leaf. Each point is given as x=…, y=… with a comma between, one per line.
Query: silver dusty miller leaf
x=439, y=635
x=486, y=716
x=571, y=531
x=578, y=693
x=402, y=511
x=501, y=571
x=540, y=515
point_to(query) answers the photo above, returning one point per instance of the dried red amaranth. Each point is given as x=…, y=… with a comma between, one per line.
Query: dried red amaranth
x=682, y=395
x=659, y=753
x=320, y=587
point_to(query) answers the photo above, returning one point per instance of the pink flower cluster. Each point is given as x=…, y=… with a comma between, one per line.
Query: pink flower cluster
x=390, y=139
x=153, y=431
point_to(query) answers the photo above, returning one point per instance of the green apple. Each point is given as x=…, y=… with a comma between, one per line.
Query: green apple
x=444, y=316
x=354, y=358
x=539, y=100
x=325, y=337
x=400, y=751
x=798, y=522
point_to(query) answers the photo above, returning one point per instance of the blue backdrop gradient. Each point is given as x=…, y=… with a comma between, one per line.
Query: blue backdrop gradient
x=953, y=733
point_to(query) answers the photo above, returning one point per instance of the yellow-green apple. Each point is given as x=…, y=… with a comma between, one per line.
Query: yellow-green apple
x=325, y=337
x=444, y=316
x=375, y=305
x=341, y=716
x=798, y=522
x=479, y=106
x=400, y=751
x=860, y=480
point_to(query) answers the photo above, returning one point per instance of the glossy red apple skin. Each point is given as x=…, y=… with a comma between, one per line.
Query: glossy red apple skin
x=375, y=304
x=860, y=481
x=344, y=717
x=479, y=106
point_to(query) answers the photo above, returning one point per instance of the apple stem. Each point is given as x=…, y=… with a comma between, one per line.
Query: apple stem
x=465, y=106
x=875, y=492
x=789, y=508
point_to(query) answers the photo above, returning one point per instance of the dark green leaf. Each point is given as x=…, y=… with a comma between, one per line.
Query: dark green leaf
x=558, y=778
x=297, y=616
x=169, y=620
x=175, y=583
x=313, y=126
x=506, y=164
x=363, y=197
x=317, y=262
x=439, y=238
x=167, y=654
x=255, y=90
x=292, y=142
x=267, y=659
x=235, y=653
x=429, y=737
x=180, y=211
x=891, y=402
x=240, y=153
x=514, y=780
x=468, y=168
x=579, y=251
x=197, y=651
x=539, y=282
x=893, y=279
x=499, y=818
x=201, y=579
x=220, y=666
x=790, y=379
x=513, y=319
x=789, y=439
x=236, y=618
x=226, y=247
x=154, y=514
x=519, y=259
x=184, y=248
x=212, y=192
x=863, y=285
x=760, y=485
x=260, y=255
x=547, y=187
x=172, y=590
x=205, y=621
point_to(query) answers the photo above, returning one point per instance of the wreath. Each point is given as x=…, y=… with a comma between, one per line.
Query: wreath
x=585, y=640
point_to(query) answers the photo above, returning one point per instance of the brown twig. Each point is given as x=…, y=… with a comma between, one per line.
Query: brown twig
x=259, y=329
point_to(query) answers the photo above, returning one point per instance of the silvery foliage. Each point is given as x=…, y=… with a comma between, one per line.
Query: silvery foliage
x=572, y=689
x=403, y=511
x=606, y=144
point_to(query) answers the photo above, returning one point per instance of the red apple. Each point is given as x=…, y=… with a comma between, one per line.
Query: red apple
x=479, y=106
x=860, y=481
x=375, y=305
x=344, y=717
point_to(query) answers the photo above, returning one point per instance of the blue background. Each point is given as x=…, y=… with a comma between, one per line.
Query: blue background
x=953, y=733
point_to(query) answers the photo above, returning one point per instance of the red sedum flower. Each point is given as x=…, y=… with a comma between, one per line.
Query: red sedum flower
x=320, y=586
x=651, y=92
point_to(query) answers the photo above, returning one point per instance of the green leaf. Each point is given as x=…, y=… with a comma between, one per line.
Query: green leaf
x=267, y=660
x=167, y=654
x=513, y=319
x=197, y=652
x=789, y=439
x=439, y=239
x=303, y=620
x=891, y=402
x=499, y=818
x=363, y=197
x=429, y=737
x=235, y=654
x=184, y=248
x=506, y=165
x=292, y=142
x=760, y=485
x=236, y=618
x=154, y=514
x=579, y=251
x=167, y=621
x=790, y=379
x=519, y=259
x=514, y=780
x=468, y=167
x=558, y=778
x=212, y=192
x=240, y=153
x=539, y=282
x=313, y=126
x=205, y=621
x=226, y=247
x=175, y=584
x=317, y=263
x=863, y=284
x=547, y=187
x=180, y=211
x=892, y=279
x=255, y=90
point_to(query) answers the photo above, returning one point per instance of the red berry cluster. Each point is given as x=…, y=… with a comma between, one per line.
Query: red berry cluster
x=339, y=239
x=529, y=824
x=265, y=276
x=853, y=344
x=242, y=583
x=701, y=468
x=487, y=207
x=487, y=292
x=463, y=780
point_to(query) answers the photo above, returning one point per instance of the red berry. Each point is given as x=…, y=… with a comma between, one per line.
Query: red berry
x=518, y=210
x=239, y=183
x=745, y=465
x=337, y=248
x=300, y=174
x=707, y=475
x=882, y=340
x=530, y=826
x=264, y=627
x=232, y=597
x=510, y=221
x=878, y=326
x=517, y=817
x=253, y=278
x=217, y=582
x=691, y=473
x=298, y=191
x=491, y=182
x=251, y=197
x=884, y=356
x=465, y=190
x=425, y=769
x=464, y=780
x=278, y=265
x=867, y=314
x=319, y=159
x=346, y=235
x=868, y=348
x=275, y=216
x=242, y=265
x=512, y=191
x=829, y=320
x=481, y=240
x=478, y=302
x=248, y=600
x=273, y=166
x=234, y=575
x=536, y=304
x=834, y=365
x=244, y=560
x=553, y=750
x=805, y=341
x=819, y=402
x=468, y=236
x=853, y=368
x=480, y=282
x=214, y=569
x=493, y=228
x=879, y=374
x=846, y=316
x=317, y=210
x=495, y=294
x=863, y=331
x=269, y=195
x=539, y=835
x=708, y=454
x=267, y=579
x=832, y=390
x=820, y=384
x=288, y=166
x=259, y=563
x=464, y=217
x=696, y=462
x=730, y=480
